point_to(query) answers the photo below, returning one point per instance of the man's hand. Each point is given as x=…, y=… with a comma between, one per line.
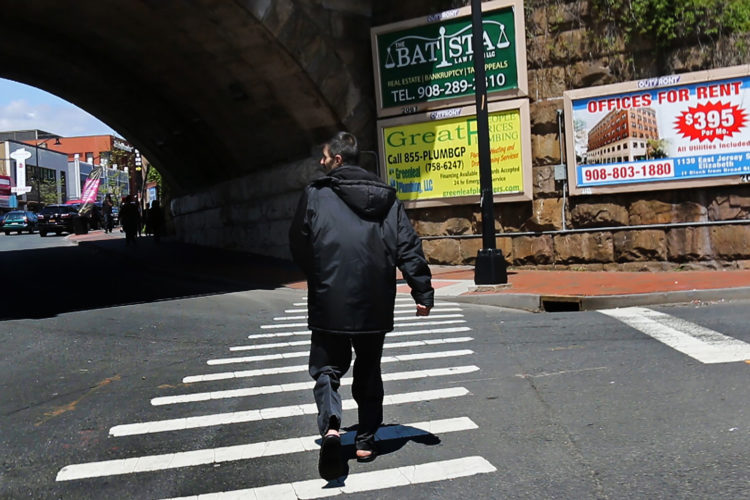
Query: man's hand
x=423, y=310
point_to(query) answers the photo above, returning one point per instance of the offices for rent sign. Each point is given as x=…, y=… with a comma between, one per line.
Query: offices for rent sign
x=428, y=62
x=679, y=131
x=433, y=159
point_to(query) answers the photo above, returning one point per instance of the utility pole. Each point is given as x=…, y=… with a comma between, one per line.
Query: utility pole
x=491, y=268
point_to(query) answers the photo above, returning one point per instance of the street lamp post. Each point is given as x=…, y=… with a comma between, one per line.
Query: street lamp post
x=491, y=267
x=38, y=175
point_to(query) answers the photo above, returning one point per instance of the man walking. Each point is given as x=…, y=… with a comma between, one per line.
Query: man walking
x=130, y=219
x=348, y=235
x=107, y=205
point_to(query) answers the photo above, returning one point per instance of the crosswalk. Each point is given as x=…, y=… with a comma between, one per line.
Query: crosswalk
x=703, y=344
x=439, y=339
x=368, y=481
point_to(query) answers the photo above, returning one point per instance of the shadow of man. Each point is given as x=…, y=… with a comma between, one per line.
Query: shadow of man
x=389, y=439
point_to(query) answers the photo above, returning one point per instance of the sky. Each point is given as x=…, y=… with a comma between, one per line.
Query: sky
x=23, y=107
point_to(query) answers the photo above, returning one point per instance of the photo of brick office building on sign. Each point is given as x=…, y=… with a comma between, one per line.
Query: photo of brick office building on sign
x=623, y=135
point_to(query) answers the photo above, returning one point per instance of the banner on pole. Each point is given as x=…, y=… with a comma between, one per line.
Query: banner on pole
x=90, y=190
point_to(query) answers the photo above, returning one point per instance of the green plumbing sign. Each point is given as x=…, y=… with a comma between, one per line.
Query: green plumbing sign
x=434, y=62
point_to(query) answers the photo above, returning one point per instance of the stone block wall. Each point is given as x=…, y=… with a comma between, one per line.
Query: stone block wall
x=703, y=228
x=251, y=213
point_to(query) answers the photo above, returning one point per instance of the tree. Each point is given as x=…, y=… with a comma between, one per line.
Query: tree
x=153, y=175
x=662, y=25
x=112, y=183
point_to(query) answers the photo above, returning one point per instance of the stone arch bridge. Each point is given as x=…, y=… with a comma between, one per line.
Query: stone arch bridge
x=230, y=99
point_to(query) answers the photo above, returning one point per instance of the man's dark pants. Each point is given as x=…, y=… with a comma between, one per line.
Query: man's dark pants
x=330, y=357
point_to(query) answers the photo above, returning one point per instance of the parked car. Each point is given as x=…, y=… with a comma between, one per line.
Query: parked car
x=19, y=220
x=58, y=219
x=95, y=217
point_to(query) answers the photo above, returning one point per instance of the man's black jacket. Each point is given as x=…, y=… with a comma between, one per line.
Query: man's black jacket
x=348, y=235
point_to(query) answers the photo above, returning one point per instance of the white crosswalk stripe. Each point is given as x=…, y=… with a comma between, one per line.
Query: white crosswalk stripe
x=455, y=329
x=433, y=310
x=390, y=334
x=302, y=354
x=387, y=344
x=306, y=333
x=303, y=368
x=396, y=320
x=365, y=481
x=410, y=307
x=449, y=320
x=703, y=344
x=421, y=318
x=251, y=450
x=236, y=417
x=396, y=311
x=300, y=386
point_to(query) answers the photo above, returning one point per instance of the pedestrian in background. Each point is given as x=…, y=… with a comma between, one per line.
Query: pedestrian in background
x=107, y=205
x=154, y=220
x=349, y=234
x=130, y=219
x=141, y=218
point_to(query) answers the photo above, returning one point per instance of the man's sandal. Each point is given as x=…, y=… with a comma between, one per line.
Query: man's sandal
x=367, y=458
x=330, y=464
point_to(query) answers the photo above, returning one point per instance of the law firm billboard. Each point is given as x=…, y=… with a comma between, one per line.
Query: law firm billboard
x=427, y=63
x=432, y=159
x=678, y=131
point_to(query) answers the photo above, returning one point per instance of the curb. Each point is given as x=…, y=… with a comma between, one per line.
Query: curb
x=677, y=297
x=524, y=301
x=560, y=303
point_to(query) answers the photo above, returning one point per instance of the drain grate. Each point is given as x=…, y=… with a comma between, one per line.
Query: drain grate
x=561, y=304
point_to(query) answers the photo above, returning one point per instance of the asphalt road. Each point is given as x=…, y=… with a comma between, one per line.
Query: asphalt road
x=26, y=241
x=497, y=404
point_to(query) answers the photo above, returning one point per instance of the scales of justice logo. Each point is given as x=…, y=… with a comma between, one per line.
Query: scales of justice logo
x=448, y=49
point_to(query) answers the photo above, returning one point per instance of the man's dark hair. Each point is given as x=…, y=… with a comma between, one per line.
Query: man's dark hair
x=345, y=145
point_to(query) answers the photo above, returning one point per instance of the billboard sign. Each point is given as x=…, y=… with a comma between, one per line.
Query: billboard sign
x=679, y=131
x=5, y=185
x=432, y=159
x=428, y=63
x=20, y=155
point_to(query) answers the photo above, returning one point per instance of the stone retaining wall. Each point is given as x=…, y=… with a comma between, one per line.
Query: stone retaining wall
x=251, y=213
x=564, y=52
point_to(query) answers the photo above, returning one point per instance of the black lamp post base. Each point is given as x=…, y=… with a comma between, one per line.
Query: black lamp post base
x=491, y=267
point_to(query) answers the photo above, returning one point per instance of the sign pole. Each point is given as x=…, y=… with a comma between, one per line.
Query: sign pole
x=491, y=268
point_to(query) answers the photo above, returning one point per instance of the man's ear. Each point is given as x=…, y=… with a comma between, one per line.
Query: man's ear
x=338, y=160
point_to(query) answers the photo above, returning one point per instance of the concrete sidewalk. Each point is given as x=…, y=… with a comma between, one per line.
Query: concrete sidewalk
x=530, y=290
